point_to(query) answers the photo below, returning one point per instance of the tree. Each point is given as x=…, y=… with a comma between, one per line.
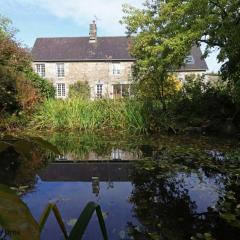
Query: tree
x=20, y=87
x=165, y=31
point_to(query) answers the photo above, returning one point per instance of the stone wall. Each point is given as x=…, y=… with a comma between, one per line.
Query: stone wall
x=182, y=75
x=92, y=72
x=96, y=73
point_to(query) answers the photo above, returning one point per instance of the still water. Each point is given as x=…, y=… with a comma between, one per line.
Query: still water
x=148, y=187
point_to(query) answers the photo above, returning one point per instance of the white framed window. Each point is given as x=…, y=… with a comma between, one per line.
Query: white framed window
x=116, y=68
x=40, y=69
x=189, y=60
x=121, y=90
x=61, y=90
x=99, y=90
x=60, y=70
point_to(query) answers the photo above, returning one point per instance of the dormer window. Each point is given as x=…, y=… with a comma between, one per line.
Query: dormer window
x=60, y=70
x=189, y=60
x=116, y=68
x=40, y=69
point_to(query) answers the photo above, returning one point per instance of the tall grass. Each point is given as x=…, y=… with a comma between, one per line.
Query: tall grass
x=91, y=115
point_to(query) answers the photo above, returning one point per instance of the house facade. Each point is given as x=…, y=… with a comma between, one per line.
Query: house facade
x=103, y=62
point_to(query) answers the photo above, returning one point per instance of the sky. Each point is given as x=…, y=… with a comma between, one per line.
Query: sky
x=70, y=18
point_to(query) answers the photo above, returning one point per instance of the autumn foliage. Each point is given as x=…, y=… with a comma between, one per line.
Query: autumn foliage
x=20, y=87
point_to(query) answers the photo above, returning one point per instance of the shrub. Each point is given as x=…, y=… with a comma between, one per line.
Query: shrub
x=199, y=101
x=45, y=88
x=8, y=91
x=27, y=95
x=79, y=90
x=20, y=87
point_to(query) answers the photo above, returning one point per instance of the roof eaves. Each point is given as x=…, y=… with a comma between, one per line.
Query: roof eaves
x=84, y=60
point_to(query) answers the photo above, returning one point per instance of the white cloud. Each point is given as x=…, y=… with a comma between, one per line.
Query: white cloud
x=83, y=11
x=109, y=12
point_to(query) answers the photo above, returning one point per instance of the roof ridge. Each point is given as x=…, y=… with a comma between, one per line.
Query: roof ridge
x=83, y=37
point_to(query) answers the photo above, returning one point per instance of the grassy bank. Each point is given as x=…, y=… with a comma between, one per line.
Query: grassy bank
x=91, y=115
x=198, y=107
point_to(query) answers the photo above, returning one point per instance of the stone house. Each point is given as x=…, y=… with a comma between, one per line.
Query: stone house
x=103, y=62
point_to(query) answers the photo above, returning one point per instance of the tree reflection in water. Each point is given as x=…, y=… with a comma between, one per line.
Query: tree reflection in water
x=165, y=207
x=168, y=197
x=21, y=158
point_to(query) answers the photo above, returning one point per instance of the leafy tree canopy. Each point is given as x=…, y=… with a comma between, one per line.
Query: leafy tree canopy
x=166, y=30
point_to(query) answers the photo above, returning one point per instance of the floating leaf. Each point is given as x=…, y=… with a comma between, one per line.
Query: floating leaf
x=105, y=215
x=122, y=234
x=72, y=222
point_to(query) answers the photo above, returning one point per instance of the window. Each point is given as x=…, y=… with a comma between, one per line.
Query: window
x=130, y=73
x=40, y=68
x=99, y=90
x=189, y=60
x=61, y=90
x=121, y=90
x=60, y=69
x=117, y=154
x=116, y=68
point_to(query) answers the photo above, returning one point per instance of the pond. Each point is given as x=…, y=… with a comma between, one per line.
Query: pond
x=158, y=187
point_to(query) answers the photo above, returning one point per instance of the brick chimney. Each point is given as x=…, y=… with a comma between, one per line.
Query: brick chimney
x=93, y=32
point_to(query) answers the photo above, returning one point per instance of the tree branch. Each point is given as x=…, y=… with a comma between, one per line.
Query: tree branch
x=217, y=4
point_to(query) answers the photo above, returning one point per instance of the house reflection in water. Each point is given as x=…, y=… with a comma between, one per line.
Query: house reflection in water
x=93, y=172
x=95, y=186
x=115, y=155
x=95, y=168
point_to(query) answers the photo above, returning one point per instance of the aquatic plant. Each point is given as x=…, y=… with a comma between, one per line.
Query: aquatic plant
x=11, y=206
x=91, y=115
x=162, y=199
x=17, y=222
x=81, y=224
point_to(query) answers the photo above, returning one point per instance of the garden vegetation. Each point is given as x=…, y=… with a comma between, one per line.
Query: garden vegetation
x=163, y=34
x=83, y=114
x=21, y=89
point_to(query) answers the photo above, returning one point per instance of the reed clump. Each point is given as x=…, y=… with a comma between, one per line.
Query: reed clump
x=90, y=115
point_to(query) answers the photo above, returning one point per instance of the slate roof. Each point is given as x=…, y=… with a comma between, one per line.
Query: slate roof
x=79, y=49
x=199, y=63
x=105, y=171
x=64, y=49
